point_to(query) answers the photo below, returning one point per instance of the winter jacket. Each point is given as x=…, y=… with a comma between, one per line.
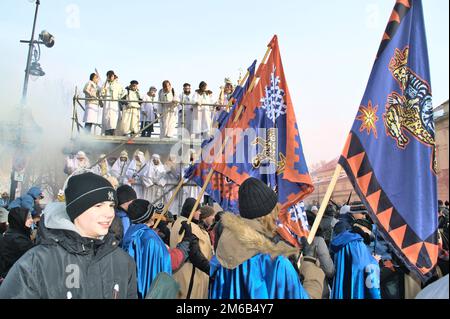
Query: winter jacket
x=66, y=265
x=16, y=240
x=250, y=265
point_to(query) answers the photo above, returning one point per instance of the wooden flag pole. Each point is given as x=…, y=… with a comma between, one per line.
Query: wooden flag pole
x=211, y=171
x=324, y=203
x=169, y=203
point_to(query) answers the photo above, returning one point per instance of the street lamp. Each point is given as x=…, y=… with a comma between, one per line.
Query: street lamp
x=32, y=68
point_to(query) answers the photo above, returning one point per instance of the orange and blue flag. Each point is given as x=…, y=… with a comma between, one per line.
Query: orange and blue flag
x=221, y=189
x=265, y=142
x=390, y=153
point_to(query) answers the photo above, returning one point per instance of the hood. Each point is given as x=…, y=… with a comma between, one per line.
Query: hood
x=241, y=239
x=25, y=201
x=343, y=239
x=34, y=192
x=16, y=220
x=57, y=228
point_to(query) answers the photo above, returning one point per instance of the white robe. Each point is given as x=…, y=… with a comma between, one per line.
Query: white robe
x=92, y=112
x=119, y=170
x=97, y=169
x=169, y=114
x=135, y=175
x=173, y=179
x=130, y=113
x=189, y=110
x=202, y=119
x=73, y=164
x=111, y=109
x=148, y=108
x=154, y=181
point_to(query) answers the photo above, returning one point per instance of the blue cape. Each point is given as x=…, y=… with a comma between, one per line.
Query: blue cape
x=150, y=254
x=124, y=219
x=259, y=277
x=357, y=272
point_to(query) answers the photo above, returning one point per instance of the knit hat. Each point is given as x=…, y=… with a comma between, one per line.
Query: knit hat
x=206, y=211
x=187, y=207
x=140, y=211
x=84, y=191
x=125, y=193
x=357, y=208
x=256, y=199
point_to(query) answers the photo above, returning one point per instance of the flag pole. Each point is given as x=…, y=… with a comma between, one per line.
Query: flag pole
x=211, y=171
x=169, y=203
x=324, y=204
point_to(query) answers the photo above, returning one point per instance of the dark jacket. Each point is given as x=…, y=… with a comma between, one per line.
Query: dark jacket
x=66, y=265
x=16, y=241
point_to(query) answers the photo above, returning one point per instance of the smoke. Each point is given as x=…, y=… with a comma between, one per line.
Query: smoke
x=39, y=131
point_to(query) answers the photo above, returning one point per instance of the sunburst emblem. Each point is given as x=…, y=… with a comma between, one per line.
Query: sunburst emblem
x=368, y=117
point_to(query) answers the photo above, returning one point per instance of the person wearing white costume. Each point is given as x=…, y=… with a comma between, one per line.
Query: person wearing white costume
x=102, y=168
x=119, y=168
x=131, y=111
x=92, y=111
x=173, y=179
x=111, y=90
x=189, y=109
x=167, y=111
x=226, y=92
x=202, y=119
x=79, y=162
x=135, y=173
x=154, y=181
x=148, y=110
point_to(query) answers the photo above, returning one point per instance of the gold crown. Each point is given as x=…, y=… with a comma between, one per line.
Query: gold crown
x=400, y=59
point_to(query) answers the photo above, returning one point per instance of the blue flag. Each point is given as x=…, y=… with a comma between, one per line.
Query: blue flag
x=390, y=154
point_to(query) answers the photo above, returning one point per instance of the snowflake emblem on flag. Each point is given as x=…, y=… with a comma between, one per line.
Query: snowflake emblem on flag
x=273, y=102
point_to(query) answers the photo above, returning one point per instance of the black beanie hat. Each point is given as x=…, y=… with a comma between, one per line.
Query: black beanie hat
x=84, y=191
x=140, y=211
x=125, y=193
x=256, y=199
x=187, y=207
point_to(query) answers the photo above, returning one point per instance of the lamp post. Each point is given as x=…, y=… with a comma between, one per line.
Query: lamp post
x=33, y=68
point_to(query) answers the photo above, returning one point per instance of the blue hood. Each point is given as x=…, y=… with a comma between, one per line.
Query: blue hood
x=34, y=192
x=342, y=240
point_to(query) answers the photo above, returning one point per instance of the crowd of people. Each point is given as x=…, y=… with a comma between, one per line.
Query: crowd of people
x=126, y=111
x=100, y=240
x=151, y=179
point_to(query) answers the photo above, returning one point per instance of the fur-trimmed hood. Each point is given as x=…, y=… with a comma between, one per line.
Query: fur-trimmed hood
x=243, y=238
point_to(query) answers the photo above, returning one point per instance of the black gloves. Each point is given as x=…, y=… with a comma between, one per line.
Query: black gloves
x=307, y=249
x=188, y=236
